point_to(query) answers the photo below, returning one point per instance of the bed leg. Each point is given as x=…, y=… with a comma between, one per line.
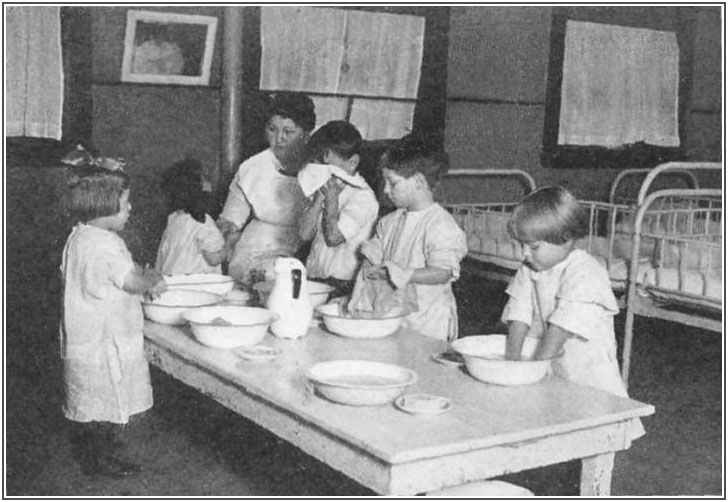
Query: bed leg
x=627, y=349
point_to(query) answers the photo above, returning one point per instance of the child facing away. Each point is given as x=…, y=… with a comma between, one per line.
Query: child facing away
x=418, y=247
x=342, y=212
x=105, y=371
x=562, y=294
x=191, y=243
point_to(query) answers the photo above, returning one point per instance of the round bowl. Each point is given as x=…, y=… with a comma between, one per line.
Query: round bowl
x=485, y=360
x=318, y=292
x=229, y=326
x=358, y=382
x=212, y=283
x=166, y=308
x=357, y=327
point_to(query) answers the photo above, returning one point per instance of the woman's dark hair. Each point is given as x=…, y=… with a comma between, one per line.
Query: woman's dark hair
x=339, y=136
x=550, y=214
x=94, y=192
x=295, y=106
x=182, y=184
x=413, y=154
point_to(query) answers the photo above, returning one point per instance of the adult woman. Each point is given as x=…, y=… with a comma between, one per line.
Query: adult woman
x=265, y=198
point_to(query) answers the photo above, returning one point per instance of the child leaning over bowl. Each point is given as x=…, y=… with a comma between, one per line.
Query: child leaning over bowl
x=342, y=211
x=562, y=295
x=418, y=247
x=191, y=243
x=105, y=371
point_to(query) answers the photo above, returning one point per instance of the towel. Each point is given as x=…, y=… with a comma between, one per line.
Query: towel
x=314, y=176
x=378, y=299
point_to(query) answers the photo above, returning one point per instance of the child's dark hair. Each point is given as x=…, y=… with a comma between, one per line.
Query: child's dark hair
x=338, y=136
x=295, y=106
x=412, y=154
x=550, y=214
x=182, y=184
x=94, y=192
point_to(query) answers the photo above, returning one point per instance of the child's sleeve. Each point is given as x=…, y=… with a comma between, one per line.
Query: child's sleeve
x=105, y=270
x=209, y=238
x=359, y=212
x=373, y=249
x=520, y=299
x=446, y=246
x=583, y=299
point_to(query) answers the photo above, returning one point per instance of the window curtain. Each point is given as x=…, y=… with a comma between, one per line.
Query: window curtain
x=33, y=72
x=346, y=52
x=620, y=86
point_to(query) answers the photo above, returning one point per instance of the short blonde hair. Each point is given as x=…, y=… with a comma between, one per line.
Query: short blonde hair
x=550, y=214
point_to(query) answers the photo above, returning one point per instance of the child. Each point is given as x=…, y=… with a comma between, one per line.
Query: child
x=191, y=243
x=106, y=375
x=419, y=244
x=561, y=294
x=342, y=212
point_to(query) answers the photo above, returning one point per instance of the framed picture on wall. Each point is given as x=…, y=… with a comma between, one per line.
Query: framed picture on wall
x=168, y=48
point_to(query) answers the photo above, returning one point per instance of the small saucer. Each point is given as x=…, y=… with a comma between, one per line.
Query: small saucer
x=423, y=404
x=449, y=358
x=258, y=353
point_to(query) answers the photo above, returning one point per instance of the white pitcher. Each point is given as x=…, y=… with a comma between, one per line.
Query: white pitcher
x=289, y=299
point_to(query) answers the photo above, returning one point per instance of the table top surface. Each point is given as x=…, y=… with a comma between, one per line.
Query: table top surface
x=483, y=415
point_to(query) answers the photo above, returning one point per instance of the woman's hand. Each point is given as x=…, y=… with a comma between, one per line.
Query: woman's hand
x=227, y=227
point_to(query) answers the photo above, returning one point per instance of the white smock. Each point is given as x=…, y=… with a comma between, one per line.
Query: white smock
x=426, y=238
x=182, y=244
x=575, y=295
x=106, y=374
x=358, y=211
x=273, y=202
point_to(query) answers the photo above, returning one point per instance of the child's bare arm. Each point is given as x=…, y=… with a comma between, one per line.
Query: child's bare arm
x=309, y=218
x=430, y=275
x=144, y=280
x=330, y=220
x=552, y=342
x=517, y=332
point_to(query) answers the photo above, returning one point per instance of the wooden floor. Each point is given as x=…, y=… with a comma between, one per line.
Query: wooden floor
x=190, y=446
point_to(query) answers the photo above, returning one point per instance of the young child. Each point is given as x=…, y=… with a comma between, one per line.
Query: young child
x=341, y=213
x=419, y=244
x=191, y=243
x=561, y=294
x=105, y=371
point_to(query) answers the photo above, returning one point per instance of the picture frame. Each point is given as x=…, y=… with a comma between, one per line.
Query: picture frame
x=168, y=48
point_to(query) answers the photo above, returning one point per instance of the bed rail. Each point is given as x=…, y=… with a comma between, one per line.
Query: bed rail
x=675, y=166
x=622, y=175
x=526, y=179
x=645, y=206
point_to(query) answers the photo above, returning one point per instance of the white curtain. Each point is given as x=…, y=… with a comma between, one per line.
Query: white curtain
x=620, y=86
x=381, y=119
x=33, y=72
x=334, y=51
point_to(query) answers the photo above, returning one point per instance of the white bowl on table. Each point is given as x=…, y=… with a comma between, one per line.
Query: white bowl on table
x=318, y=292
x=167, y=307
x=212, y=283
x=485, y=360
x=357, y=327
x=358, y=382
x=229, y=326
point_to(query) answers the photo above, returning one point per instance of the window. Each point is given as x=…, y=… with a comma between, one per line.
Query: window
x=617, y=86
x=360, y=66
x=620, y=86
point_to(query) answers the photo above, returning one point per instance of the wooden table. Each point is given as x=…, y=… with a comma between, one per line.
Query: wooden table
x=490, y=431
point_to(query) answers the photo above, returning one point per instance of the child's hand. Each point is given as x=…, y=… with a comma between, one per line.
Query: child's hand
x=332, y=188
x=375, y=273
x=399, y=276
x=156, y=280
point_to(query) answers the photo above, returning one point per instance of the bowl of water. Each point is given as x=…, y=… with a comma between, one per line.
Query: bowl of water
x=358, y=382
x=485, y=359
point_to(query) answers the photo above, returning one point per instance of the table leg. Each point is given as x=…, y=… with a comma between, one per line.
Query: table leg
x=596, y=475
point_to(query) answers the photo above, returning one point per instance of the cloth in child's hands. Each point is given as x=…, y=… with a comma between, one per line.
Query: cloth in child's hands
x=398, y=276
x=377, y=299
x=314, y=176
